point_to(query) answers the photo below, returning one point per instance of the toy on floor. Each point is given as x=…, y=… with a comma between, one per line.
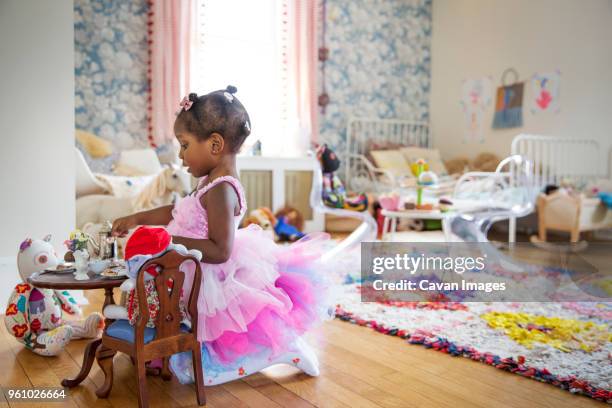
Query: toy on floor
x=292, y=217
x=334, y=194
x=34, y=315
x=287, y=223
x=261, y=216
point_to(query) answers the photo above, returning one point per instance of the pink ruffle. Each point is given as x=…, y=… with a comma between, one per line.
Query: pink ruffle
x=265, y=295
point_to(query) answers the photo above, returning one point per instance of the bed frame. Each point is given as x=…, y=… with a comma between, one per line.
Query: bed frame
x=361, y=133
x=557, y=159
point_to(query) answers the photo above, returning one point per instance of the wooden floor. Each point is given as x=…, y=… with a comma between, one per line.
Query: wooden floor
x=359, y=368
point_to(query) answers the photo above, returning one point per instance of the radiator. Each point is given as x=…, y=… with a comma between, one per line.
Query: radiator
x=276, y=182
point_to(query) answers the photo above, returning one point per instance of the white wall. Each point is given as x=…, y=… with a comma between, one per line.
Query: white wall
x=475, y=38
x=36, y=124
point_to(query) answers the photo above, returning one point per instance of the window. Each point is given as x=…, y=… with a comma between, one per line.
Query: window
x=240, y=43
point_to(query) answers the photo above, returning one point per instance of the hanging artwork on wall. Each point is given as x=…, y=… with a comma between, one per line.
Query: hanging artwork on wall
x=476, y=97
x=509, y=103
x=545, y=92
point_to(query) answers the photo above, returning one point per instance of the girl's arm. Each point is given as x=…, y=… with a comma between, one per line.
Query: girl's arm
x=220, y=203
x=156, y=216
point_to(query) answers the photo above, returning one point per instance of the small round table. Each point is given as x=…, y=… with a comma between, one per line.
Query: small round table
x=391, y=219
x=62, y=281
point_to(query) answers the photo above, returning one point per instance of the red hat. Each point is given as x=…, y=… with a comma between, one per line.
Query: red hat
x=147, y=241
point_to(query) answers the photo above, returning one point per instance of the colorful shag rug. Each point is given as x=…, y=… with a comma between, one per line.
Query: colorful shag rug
x=566, y=344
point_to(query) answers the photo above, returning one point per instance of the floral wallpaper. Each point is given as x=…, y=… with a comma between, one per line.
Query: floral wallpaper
x=110, y=39
x=379, y=63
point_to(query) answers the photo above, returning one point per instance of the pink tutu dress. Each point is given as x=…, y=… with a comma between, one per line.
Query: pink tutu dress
x=264, y=297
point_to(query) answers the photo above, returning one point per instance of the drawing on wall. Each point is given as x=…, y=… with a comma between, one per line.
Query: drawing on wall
x=509, y=106
x=475, y=99
x=545, y=92
x=509, y=101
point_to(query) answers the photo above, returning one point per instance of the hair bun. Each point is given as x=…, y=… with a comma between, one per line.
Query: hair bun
x=231, y=89
x=193, y=97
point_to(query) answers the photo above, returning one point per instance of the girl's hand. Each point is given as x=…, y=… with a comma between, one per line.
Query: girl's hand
x=121, y=226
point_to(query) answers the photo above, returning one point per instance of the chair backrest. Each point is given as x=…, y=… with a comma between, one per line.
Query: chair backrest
x=511, y=187
x=168, y=320
x=366, y=231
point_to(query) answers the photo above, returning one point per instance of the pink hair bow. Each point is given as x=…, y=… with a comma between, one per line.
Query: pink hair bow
x=186, y=103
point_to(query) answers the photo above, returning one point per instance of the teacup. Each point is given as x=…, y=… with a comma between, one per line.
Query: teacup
x=98, y=265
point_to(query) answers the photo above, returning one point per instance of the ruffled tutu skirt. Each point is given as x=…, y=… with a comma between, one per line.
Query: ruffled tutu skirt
x=263, y=298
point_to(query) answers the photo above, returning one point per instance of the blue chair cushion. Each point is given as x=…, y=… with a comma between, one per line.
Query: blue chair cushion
x=123, y=330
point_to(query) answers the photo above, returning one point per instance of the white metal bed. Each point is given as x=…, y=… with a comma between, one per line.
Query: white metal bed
x=560, y=159
x=364, y=133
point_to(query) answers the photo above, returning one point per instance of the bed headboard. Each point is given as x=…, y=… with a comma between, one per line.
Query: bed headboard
x=363, y=133
x=557, y=158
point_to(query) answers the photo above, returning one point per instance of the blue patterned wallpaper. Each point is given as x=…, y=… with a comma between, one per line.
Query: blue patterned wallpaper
x=379, y=63
x=110, y=39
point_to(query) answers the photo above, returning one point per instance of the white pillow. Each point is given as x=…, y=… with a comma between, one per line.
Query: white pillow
x=138, y=162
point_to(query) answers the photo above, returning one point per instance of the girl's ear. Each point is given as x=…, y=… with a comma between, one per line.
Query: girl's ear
x=216, y=142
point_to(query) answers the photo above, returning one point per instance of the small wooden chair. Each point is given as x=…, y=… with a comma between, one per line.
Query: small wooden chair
x=168, y=337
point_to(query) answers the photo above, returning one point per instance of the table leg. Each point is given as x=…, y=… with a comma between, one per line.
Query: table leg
x=108, y=300
x=105, y=361
x=446, y=229
x=393, y=228
x=88, y=358
x=92, y=347
x=385, y=228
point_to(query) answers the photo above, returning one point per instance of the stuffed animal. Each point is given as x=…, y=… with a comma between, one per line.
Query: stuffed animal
x=144, y=243
x=34, y=315
x=485, y=162
x=287, y=223
x=286, y=231
x=292, y=216
x=261, y=216
x=334, y=194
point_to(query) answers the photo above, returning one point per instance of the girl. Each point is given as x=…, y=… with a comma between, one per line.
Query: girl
x=256, y=297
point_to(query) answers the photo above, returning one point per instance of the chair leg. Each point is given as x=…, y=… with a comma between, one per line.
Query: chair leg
x=141, y=380
x=165, y=371
x=198, y=372
x=105, y=356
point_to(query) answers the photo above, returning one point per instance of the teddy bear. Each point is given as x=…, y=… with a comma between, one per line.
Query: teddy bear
x=261, y=216
x=34, y=315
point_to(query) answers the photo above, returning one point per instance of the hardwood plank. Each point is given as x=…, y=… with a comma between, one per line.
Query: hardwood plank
x=365, y=389
x=249, y=395
x=157, y=396
x=275, y=392
x=304, y=386
x=120, y=395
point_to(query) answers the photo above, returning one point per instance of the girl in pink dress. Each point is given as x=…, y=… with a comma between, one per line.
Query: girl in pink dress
x=257, y=298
